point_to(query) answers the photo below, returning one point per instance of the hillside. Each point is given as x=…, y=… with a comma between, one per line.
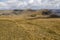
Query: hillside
x=18, y=12
x=20, y=28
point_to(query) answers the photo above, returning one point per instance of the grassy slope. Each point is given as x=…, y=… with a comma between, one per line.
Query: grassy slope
x=23, y=29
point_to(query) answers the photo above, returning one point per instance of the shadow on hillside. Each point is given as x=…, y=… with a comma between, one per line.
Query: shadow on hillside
x=42, y=18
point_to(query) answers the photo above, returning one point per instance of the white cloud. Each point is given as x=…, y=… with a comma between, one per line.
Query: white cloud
x=50, y=4
x=31, y=1
x=12, y=0
x=11, y=4
x=2, y=4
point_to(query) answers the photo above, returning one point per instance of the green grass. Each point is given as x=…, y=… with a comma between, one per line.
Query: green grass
x=23, y=29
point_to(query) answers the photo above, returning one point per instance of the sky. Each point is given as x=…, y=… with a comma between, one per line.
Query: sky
x=29, y=4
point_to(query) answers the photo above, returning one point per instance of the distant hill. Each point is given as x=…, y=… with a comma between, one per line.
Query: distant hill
x=27, y=11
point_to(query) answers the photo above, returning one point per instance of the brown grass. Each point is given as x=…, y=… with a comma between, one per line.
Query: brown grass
x=19, y=28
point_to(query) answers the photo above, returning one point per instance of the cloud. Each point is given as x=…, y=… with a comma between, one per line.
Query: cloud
x=3, y=5
x=34, y=4
x=50, y=4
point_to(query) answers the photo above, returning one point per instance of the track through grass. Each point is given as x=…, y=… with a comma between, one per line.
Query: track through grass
x=23, y=29
x=12, y=30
